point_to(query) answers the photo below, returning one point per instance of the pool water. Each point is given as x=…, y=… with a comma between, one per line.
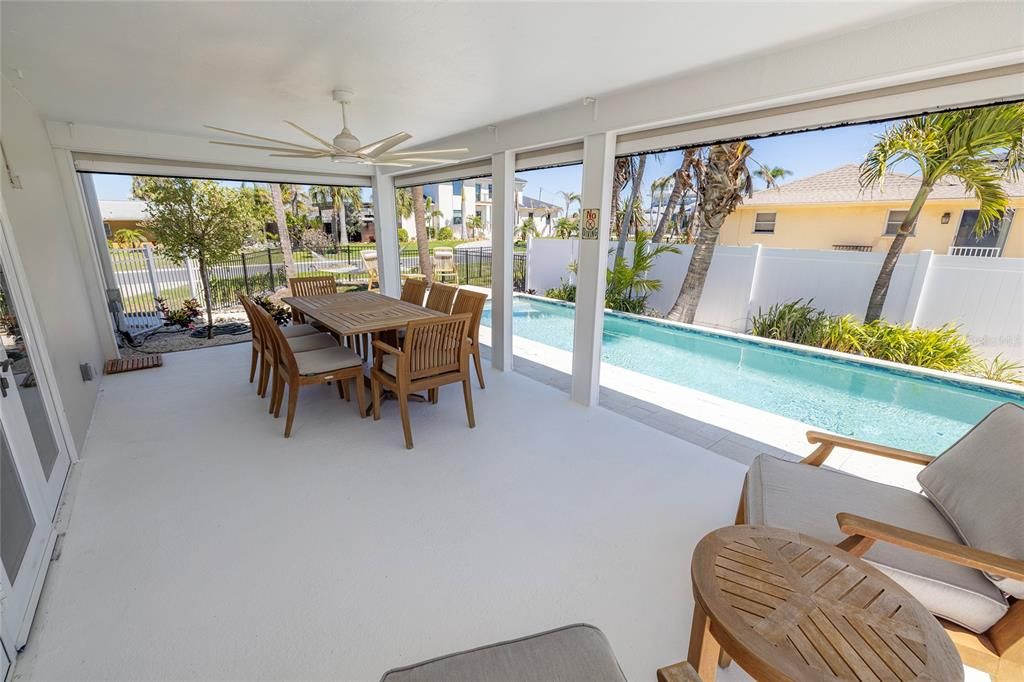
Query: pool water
x=846, y=397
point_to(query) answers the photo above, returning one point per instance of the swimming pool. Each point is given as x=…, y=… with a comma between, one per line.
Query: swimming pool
x=848, y=397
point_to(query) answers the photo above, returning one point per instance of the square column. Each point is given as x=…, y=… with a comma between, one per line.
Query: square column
x=503, y=223
x=598, y=162
x=385, y=217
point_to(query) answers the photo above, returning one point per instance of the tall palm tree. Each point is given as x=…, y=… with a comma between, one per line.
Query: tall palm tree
x=637, y=176
x=721, y=183
x=473, y=224
x=403, y=202
x=320, y=195
x=689, y=167
x=770, y=175
x=281, y=218
x=620, y=176
x=658, y=186
x=979, y=147
x=419, y=211
x=339, y=197
x=569, y=198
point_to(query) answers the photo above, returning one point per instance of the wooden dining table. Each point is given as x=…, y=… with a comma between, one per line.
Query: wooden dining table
x=357, y=313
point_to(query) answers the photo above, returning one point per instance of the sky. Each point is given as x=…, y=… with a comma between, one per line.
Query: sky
x=802, y=153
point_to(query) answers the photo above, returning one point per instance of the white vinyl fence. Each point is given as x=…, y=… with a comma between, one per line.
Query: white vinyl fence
x=984, y=295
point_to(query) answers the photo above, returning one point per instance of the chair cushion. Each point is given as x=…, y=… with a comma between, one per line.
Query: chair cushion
x=301, y=344
x=807, y=499
x=569, y=654
x=390, y=365
x=326, y=360
x=294, y=330
x=977, y=485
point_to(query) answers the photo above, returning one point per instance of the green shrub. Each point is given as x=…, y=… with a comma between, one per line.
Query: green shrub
x=403, y=235
x=563, y=292
x=999, y=369
x=280, y=313
x=445, y=234
x=184, y=317
x=944, y=349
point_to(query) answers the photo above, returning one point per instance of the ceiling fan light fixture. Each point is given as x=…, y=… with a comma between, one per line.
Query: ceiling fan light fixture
x=346, y=141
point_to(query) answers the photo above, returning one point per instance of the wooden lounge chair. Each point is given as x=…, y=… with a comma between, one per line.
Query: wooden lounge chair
x=319, y=366
x=472, y=302
x=369, y=257
x=436, y=353
x=259, y=343
x=413, y=290
x=443, y=266
x=958, y=548
x=311, y=286
x=441, y=297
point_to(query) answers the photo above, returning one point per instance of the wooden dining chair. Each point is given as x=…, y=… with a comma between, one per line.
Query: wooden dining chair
x=472, y=302
x=413, y=290
x=317, y=285
x=436, y=353
x=307, y=368
x=259, y=350
x=441, y=297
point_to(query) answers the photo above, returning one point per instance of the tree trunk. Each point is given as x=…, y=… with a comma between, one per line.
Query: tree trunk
x=341, y=220
x=419, y=212
x=669, y=208
x=685, y=307
x=619, y=177
x=205, y=277
x=627, y=219
x=282, y=231
x=881, y=288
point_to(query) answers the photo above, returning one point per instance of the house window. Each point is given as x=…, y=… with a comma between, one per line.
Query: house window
x=764, y=223
x=108, y=230
x=456, y=216
x=893, y=222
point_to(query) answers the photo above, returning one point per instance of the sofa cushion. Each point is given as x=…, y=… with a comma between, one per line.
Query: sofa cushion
x=977, y=484
x=806, y=498
x=569, y=654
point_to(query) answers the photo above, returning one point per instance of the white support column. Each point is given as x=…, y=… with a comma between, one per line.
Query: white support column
x=598, y=160
x=503, y=223
x=385, y=218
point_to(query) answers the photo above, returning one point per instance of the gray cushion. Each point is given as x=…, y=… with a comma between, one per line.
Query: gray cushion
x=977, y=484
x=301, y=344
x=326, y=359
x=807, y=499
x=390, y=365
x=575, y=652
x=294, y=330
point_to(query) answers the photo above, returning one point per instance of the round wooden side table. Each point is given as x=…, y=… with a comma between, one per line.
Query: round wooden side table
x=786, y=606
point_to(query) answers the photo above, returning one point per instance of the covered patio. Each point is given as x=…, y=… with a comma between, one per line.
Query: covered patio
x=202, y=545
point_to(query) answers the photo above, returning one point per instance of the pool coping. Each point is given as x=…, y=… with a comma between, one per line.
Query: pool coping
x=998, y=388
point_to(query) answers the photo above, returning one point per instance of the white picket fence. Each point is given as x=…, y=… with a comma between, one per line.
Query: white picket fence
x=981, y=294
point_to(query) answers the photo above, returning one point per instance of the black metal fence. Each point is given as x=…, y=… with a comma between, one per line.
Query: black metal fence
x=144, y=275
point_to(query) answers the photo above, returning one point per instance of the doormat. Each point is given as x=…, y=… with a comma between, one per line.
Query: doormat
x=131, y=364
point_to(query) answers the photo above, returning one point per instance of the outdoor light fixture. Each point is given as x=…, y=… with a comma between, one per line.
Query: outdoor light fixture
x=945, y=218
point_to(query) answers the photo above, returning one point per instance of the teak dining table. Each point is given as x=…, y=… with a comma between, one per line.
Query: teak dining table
x=355, y=313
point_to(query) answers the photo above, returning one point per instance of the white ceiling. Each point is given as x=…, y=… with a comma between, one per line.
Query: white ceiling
x=430, y=69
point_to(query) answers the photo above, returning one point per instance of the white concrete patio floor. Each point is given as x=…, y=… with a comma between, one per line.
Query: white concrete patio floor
x=204, y=545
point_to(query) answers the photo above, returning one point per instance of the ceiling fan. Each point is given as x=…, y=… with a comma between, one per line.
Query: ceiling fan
x=345, y=147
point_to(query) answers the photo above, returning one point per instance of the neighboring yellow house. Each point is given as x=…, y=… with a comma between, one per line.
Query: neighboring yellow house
x=122, y=214
x=829, y=211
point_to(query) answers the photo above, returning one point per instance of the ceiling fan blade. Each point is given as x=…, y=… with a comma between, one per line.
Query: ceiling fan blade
x=265, y=148
x=390, y=163
x=307, y=155
x=381, y=146
x=259, y=137
x=421, y=159
x=312, y=136
x=460, y=150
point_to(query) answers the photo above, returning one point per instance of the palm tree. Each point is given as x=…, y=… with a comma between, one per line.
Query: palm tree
x=339, y=195
x=637, y=175
x=422, y=240
x=770, y=175
x=525, y=230
x=319, y=195
x=721, y=183
x=620, y=176
x=689, y=166
x=473, y=223
x=658, y=187
x=570, y=197
x=566, y=228
x=980, y=147
x=129, y=237
x=282, y=230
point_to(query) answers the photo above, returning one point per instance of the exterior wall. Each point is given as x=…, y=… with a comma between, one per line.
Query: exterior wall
x=985, y=296
x=820, y=226
x=55, y=275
